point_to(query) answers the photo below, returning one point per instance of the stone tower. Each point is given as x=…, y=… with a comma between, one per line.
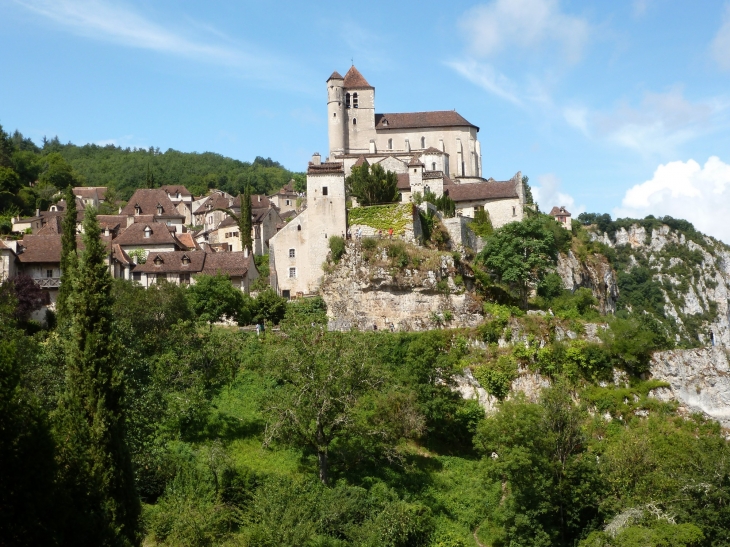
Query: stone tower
x=359, y=113
x=336, y=114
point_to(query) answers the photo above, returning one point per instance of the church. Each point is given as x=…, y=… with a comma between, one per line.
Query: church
x=434, y=151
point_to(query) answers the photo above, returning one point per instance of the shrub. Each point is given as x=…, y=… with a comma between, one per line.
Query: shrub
x=337, y=247
x=369, y=244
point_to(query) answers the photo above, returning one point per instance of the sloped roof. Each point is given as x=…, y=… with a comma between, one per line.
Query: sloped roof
x=119, y=254
x=432, y=150
x=175, y=188
x=360, y=161
x=172, y=261
x=216, y=201
x=41, y=248
x=148, y=200
x=404, y=181
x=325, y=168
x=160, y=235
x=187, y=239
x=335, y=76
x=355, y=80
x=231, y=263
x=112, y=221
x=477, y=191
x=415, y=120
x=415, y=161
x=555, y=211
x=227, y=222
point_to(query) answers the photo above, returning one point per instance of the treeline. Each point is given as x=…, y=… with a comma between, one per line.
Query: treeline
x=55, y=166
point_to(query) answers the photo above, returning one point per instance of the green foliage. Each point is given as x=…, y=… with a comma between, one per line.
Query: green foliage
x=520, y=253
x=482, y=224
x=382, y=217
x=245, y=220
x=369, y=244
x=496, y=377
x=443, y=203
x=307, y=311
x=268, y=307
x=372, y=185
x=213, y=297
x=58, y=173
x=337, y=248
x=69, y=257
x=529, y=200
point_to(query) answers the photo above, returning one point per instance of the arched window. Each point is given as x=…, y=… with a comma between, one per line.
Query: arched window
x=299, y=227
x=423, y=142
x=334, y=114
x=347, y=100
x=354, y=100
x=147, y=231
x=390, y=144
x=433, y=166
x=354, y=121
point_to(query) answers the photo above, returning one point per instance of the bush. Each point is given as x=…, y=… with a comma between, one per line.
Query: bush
x=369, y=244
x=337, y=247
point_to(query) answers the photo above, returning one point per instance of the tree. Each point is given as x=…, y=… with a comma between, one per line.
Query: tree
x=150, y=179
x=57, y=172
x=527, y=189
x=244, y=220
x=95, y=464
x=213, y=297
x=372, y=185
x=520, y=253
x=68, y=256
x=9, y=180
x=268, y=306
x=482, y=225
x=322, y=377
x=29, y=296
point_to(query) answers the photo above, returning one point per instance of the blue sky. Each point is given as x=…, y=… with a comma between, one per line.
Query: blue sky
x=620, y=107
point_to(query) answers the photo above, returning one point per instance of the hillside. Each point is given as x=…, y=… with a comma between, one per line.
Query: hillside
x=55, y=165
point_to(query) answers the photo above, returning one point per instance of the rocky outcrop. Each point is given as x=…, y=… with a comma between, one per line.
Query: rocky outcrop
x=595, y=274
x=365, y=294
x=529, y=383
x=699, y=379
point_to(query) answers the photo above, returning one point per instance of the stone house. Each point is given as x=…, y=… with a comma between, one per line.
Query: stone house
x=154, y=203
x=145, y=237
x=299, y=249
x=90, y=195
x=562, y=215
x=182, y=199
x=285, y=199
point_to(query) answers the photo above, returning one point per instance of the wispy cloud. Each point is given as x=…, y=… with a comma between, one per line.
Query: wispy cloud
x=548, y=194
x=720, y=47
x=486, y=77
x=119, y=23
x=526, y=25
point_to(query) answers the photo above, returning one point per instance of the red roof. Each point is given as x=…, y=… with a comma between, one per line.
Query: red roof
x=148, y=201
x=355, y=80
x=325, y=168
x=335, y=76
x=415, y=120
x=559, y=211
x=231, y=263
x=477, y=191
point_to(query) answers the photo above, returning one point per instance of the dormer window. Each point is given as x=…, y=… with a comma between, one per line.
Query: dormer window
x=159, y=209
x=354, y=100
x=147, y=231
x=185, y=260
x=158, y=260
x=385, y=122
x=178, y=195
x=137, y=209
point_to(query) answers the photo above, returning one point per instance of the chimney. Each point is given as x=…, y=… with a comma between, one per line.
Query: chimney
x=316, y=159
x=37, y=212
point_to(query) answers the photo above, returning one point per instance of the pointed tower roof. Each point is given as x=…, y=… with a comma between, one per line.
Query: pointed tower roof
x=355, y=80
x=416, y=161
x=335, y=76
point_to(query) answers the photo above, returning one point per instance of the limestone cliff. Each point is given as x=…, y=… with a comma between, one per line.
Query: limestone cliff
x=370, y=288
x=593, y=273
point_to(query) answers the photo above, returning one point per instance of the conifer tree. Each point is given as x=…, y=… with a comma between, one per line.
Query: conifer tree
x=245, y=221
x=95, y=463
x=68, y=256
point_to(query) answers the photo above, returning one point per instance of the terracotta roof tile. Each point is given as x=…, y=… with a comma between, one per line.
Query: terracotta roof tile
x=555, y=211
x=414, y=120
x=477, y=191
x=187, y=239
x=361, y=160
x=135, y=235
x=173, y=189
x=404, y=181
x=173, y=261
x=415, y=161
x=148, y=201
x=216, y=201
x=231, y=263
x=40, y=248
x=335, y=76
x=325, y=168
x=355, y=80
x=432, y=150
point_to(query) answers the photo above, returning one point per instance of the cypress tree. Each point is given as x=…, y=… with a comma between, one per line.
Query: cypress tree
x=245, y=220
x=68, y=256
x=93, y=456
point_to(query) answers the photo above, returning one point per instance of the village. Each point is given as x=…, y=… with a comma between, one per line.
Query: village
x=167, y=234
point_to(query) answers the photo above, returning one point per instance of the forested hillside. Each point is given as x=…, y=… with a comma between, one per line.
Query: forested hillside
x=55, y=165
x=301, y=436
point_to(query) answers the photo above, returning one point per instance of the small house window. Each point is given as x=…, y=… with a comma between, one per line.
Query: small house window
x=49, y=273
x=299, y=227
x=137, y=210
x=185, y=279
x=285, y=294
x=210, y=220
x=324, y=190
x=423, y=142
x=287, y=202
x=147, y=231
x=347, y=100
x=354, y=121
x=292, y=253
x=292, y=273
x=514, y=211
x=354, y=100
x=137, y=276
x=159, y=209
x=390, y=144
x=178, y=195
x=433, y=166
x=334, y=114
x=185, y=260
x=158, y=261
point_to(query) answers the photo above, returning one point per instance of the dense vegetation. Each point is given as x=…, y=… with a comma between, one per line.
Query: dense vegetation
x=123, y=170
x=301, y=436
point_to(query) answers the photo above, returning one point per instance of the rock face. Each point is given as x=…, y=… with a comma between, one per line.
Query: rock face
x=528, y=383
x=699, y=380
x=595, y=274
x=361, y=294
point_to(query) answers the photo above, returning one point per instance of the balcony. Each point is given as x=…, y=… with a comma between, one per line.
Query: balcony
x=48, y=282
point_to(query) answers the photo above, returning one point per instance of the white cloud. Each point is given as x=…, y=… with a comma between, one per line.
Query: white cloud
x=700, y=194
x=486, y=77
x=547, y=194
x=720, y=47
x=524, y=24
x=118, y=23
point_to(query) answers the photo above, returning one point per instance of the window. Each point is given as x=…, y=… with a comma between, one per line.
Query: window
x=334, y=114
x=423, y=142
x=478, y=208
x=514, y=211
x=462, y=168
x=324, y=190
x=137, y=210
x=147, y=231
x=210, y=220
x=292, y=253
x=354, y=121
x=49, y=273
x=347, y=100
x=433, y=166
x=426, y=189
x=159, y=209
x=292, y=273
x=354, y=100
x=137, y=276
x=185, y=279
x=287, y=202
x=285, y=294
x=390, y=144
x=299, y=227
x=185, y=260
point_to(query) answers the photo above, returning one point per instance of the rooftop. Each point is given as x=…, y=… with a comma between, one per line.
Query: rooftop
x=414, y=120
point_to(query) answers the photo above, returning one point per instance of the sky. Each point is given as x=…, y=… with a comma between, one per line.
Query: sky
x=620, y=107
